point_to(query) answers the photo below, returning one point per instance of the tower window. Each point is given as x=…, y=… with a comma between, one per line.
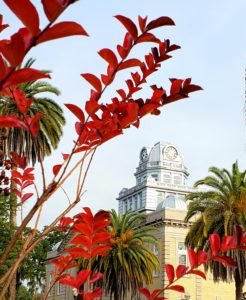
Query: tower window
x=135, y=202
x=130, y=203
x=182, y=254
x=177, y=179
x=155, y=176
x=125, y=206
x=167, y=177
x=140, y=200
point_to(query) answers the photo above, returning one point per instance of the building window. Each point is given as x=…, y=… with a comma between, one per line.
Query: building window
x=130, y=203
x=155, y=176
x=167, y=177
x=177, y=179
x=135, y=202
x=140, y=200
x=125, y=206
x=49, y=284
x=59, y=288
x=182, y=254
x=156, y=252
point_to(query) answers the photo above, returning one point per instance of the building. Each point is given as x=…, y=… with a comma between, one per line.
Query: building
x=160, y=188
x=161, y=185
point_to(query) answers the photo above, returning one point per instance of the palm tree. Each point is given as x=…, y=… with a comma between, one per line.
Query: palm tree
x=130, y=262
x=19, y=140
x=216, y=210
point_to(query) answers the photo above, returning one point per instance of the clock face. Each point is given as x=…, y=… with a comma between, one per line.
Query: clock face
x=171, y=152
x=144, y=155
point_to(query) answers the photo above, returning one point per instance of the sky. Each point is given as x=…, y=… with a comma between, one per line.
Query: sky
x=208, y=128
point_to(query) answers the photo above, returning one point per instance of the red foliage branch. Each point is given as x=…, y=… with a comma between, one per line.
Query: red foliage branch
x=104, y=120
x=90, y=239
x=218, y=252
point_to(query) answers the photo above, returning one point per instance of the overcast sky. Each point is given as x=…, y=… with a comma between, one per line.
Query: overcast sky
x=208, y=127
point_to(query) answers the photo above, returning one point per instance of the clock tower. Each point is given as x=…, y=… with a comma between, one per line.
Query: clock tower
x=160, y=181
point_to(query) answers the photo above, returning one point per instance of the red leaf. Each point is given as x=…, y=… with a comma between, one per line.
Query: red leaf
x=228, y=242
x=56, y=169
x=100, y=237
x=162, y=21
x=142, y=23
x=226, y=260
x=82, y=240
x=77, y=252
x=12, y=121
x=34, y=124
x=93, y=80
x=129, y=25
x=60, y=30
x=65, y=221
x=26, y=184
x=68, y=280
x=83, y=228
x=95, y=294
x=16, y=180
x=2, y=26
x=214, y=243
x=181, y=270
x=148, y=37
x=145, y=292
x=3, y=68
x=132, y=62
x=13, y=49
x=28, y=170
x=176, y=86
x=95, y=277
x=25, y=197
x=22, y=102
x=192, y=257
x=132, y=115
x=100, y=250
x=53, y=8
x=91, y=107
x=147, y=108
x=65, y=156
x=109, y=56
x=170, y=272
x=198, y=272
x=18, y=160
x=15, y=173
x=202, y=257
x=26, y=12
x=177, y=288
x=77, y=112
x=81, y=277
x=24, y=75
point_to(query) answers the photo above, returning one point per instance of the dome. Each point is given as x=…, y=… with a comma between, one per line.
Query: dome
x=172, y=201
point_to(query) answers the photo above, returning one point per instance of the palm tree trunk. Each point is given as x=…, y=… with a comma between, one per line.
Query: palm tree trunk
x=13, y=223
x=239, y=283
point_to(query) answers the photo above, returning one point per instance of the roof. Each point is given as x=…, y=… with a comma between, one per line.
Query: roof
x=172, y=201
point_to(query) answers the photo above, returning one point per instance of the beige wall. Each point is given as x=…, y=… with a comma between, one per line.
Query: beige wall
x=171, y=231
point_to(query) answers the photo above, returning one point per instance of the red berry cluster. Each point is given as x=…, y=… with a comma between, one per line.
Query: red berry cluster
x=5, y=166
